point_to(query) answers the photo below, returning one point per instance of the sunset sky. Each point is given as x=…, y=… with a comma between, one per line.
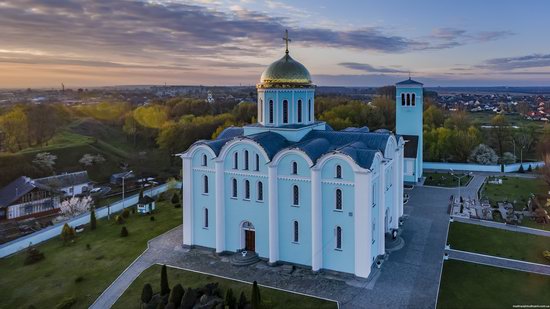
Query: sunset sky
x=350, y=43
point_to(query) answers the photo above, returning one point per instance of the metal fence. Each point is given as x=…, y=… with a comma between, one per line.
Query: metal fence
x=508, y=168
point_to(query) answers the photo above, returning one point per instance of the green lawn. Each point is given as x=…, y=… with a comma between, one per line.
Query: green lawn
x=515, y=189
x=276, y=298
x=47, y=282
x=445, y=180
x=469, y=285
x=497, y=242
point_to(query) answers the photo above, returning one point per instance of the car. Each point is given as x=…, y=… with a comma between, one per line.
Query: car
x=95, y=190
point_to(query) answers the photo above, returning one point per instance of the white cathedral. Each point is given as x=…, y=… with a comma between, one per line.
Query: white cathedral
x=292, y=190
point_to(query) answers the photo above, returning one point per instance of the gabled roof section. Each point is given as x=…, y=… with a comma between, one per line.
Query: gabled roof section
x=231, y=132
x=271, y=142
x=409, y=82
x=64, y=180
x=17, y=188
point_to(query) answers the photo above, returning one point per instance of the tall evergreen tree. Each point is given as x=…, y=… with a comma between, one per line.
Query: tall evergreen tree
x=256, y=300
x=164, y=287
x=230, y=300
x=146, y=293
x=93, y=221
x=242, y=301
x=176, y=295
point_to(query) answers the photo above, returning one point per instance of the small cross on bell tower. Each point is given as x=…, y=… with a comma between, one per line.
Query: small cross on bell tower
x=286, y=39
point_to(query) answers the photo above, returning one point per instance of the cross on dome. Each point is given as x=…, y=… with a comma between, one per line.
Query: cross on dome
x=286, y=39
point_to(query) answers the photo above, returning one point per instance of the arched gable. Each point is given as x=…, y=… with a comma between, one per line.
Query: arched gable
x=228, y=147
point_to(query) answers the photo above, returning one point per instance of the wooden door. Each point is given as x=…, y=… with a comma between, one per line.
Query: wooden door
x=250, y=240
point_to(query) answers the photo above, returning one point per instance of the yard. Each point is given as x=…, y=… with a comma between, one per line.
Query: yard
x=497, y=242
x=469, y=285
x=445, y=180
x=79, y=272
x=275, y=298
x=514, y=189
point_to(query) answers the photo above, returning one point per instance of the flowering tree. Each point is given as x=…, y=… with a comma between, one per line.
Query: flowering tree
x=75, y=206
x=89, y=160
x=484, y=154
x=45, y=159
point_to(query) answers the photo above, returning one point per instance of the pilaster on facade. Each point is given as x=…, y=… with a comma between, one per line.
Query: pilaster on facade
x=220, y=207
x=362, y=223
x=316, y=221
x=400, y=182
x=187, y=193
x=382, y=207
x=273, y=215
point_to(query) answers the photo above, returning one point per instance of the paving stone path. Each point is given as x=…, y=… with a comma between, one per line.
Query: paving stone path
x=503, y=226
x=499, y=262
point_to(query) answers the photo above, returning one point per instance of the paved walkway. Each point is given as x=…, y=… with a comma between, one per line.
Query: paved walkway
x=503, y=226
x=499, y=262
x=408, y=279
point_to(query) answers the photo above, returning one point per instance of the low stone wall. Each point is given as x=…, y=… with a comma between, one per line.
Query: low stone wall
x=22, y=243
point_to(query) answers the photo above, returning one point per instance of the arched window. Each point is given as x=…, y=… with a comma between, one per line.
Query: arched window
x=270, y=111
x=257, y=162
x=205, y=184
x=413, y=99
x=236, y=160
x=338, y=199
x=338, y=171
x=206, y=217
x=296, y=231
x=309, y=110
x=294, y=168
x=408, y=99
x=285, y=111
x=295, y=195
x=402, y=99
x=338, y=238
x=260, y=191
x=234, y=185
x=299, y=110
x=204, y=160
x=246, y=159
x=247, y=189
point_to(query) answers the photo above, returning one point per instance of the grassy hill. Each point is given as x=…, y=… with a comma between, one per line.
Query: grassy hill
x=93, y=137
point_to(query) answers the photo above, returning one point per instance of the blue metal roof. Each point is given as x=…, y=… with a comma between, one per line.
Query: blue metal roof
x=231, y=132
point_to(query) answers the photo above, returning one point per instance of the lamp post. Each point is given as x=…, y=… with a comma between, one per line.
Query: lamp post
x=459, y=178
x=124, y=177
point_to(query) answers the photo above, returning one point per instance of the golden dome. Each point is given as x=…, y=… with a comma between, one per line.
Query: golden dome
x=285, y=73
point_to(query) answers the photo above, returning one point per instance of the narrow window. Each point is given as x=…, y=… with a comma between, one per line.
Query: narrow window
x=236, y=160
x=285, y=111
x=205, y=184
x=373, y=230
x=294, y=168
x=309, y=110
x=296, y=235
x=338, y=238
x=257, y=162
x=403, y=99
x=247, y=189
x=260, y=191
x=338, y=199
x=261, y=111
x=300, y=111
x=270, y=111
x=204, y=160
x=234, y=194
x=338, y=171
x=295, y=195
x=206, y=217
x=413, y=99
x=246, y=159
x=408, y=99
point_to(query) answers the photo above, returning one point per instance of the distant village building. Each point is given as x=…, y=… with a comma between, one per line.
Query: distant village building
x=25, y=197
x=146, y=204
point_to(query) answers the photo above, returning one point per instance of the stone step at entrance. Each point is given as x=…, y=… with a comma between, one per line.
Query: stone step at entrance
x=244, y=258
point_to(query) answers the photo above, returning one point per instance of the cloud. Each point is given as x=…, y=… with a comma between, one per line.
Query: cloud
x=521, y=62
x=448, y=37
x=369, y=68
